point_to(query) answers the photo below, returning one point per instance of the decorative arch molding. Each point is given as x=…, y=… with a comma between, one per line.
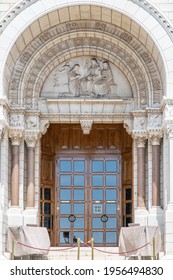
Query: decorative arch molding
x=82, y=37
x=120, y=7
x=146, y=5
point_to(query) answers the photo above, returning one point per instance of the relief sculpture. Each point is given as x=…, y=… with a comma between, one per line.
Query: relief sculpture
x=85, y=78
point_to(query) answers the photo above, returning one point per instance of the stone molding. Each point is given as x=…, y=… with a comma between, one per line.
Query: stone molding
x=126, y=62
x=16, y=136
x=14, y=11
x=149, y=7
x=86, y=126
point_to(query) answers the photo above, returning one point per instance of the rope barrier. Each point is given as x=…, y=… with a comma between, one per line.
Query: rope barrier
x=85, y=244
x=41, y=249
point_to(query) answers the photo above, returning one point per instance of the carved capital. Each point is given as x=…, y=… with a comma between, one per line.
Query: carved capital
x=140, y=139
x=31, y=140
x=16, y=135
x=86, y=126
x=155, y=136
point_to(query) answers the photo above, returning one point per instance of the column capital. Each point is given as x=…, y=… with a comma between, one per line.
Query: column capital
x=16, y=135
x=31, y=138
x=140, y=139
x=155, y=136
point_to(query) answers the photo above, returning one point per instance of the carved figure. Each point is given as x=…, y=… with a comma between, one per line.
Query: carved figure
x=93, y=74
x=74, y=80
x=103, y=85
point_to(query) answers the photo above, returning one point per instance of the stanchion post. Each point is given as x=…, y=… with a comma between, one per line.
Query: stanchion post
x=92, y=248
x=154, y=248
x=78, y=250
x=12, y=250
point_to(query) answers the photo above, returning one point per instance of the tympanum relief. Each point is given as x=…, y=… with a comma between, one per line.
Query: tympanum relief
x=86, y=77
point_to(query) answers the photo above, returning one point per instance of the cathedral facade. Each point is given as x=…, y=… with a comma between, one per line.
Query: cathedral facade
x=86, y=118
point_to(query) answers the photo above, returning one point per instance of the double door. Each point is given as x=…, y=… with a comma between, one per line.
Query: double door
x=87, y=200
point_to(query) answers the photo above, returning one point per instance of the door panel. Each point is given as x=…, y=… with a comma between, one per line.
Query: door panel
x=88, y=200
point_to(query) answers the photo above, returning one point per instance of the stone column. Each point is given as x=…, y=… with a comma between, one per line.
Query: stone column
x=155, y=217
x=141, y=213
x=15, y=217
x=30, y=192
x=30, y=212
x=15, y=142
x=155, y=140
x=141, y=172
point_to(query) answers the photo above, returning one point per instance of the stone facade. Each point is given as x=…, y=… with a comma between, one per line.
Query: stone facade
x=47, y=76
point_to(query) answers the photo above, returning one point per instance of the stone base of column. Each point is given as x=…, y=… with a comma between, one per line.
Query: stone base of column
x=15, y=217
x=141, y=216
x=155, y=216
x=168, y=238
x=30, y=216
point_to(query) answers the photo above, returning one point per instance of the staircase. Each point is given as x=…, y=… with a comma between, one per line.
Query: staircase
x=109, y=253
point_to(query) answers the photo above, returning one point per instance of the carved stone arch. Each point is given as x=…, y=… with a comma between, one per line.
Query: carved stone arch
x=120, y=10
x=111, y=50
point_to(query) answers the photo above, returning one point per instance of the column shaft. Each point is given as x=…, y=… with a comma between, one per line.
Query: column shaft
x=155, y=175
x=15, y=176
x=30, y=197
x=141, y=176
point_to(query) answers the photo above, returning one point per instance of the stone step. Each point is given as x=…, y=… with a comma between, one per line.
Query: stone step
x=101, y=253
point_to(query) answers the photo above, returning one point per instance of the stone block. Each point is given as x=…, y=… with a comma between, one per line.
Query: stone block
x=30, y=217
x=15, y=217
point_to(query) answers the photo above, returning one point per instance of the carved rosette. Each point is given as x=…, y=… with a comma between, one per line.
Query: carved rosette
x=86, y=126
x=16, y=135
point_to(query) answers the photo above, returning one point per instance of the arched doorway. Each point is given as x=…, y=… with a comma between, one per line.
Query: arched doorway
x=86, y=183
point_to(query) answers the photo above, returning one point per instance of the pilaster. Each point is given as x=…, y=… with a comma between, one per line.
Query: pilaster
x=169, y=207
